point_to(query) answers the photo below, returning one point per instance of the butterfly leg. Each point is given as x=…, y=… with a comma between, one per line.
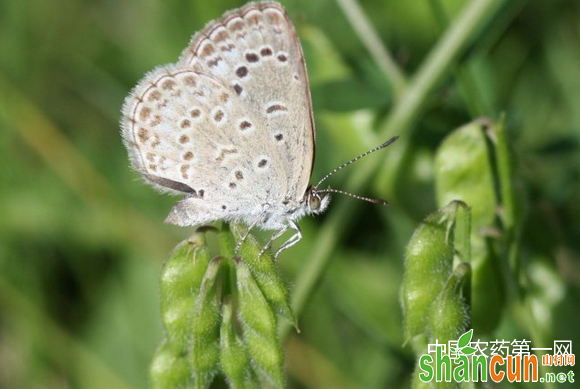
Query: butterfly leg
x=272, y=239
x=241, y=241
x=292, y=240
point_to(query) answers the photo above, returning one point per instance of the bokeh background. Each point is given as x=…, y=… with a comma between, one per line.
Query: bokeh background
x=82, y=238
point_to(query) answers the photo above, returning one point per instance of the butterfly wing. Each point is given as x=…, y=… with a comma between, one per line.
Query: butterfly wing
x=174, y=132
x=230, y=124
x=256, y=52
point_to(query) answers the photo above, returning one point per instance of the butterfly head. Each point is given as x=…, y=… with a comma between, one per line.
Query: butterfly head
x=316, y=202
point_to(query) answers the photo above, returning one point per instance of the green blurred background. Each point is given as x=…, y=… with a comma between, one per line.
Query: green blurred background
x=82, y=239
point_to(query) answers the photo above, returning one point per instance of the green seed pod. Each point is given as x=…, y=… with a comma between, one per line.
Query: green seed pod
x=203, y=352
x=181, y=278
x=428, y=263
x=448, y=315
x=234, y=360
x=259, y=329
x=168, y=369
x=263, y=269
x=463, y=170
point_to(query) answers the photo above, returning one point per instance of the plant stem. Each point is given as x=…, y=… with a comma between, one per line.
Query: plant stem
x=504, y=167
x=369, y=37
x=519, y=300
x=465, y=74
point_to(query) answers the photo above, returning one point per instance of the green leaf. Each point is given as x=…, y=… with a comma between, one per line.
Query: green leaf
x=465, y=339
x=468, y=350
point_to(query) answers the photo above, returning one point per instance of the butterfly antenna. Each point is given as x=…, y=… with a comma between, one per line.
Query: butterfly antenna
x=370, y=200
x=380, y=147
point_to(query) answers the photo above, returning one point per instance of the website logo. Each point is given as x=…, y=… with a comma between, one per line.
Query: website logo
x=465, y=360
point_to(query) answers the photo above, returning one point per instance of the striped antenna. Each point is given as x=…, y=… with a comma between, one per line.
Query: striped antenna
x=380, y=147
x=370, y=200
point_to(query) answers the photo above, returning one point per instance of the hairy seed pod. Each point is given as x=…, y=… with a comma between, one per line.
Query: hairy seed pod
x=234, y=359
x=265, y=274
x=203, y=352
x=259, y=329
x=169, y=369
x=448, y=315
x=428, y=263
x=181, y=278
x=464, y=171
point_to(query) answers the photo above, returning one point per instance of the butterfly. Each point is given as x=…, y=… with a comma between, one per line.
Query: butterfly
x=230, y=125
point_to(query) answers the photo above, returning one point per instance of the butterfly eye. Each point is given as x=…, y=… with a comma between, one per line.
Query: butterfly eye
x=314, y=201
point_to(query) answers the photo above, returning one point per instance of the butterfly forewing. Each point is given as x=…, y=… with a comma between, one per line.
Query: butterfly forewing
x=255, y=50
